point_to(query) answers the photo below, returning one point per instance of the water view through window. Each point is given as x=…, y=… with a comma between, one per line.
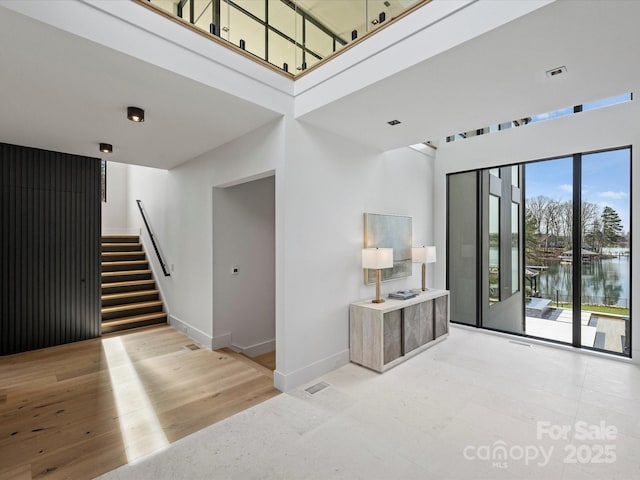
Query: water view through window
x=604, y=255
x=551, y=240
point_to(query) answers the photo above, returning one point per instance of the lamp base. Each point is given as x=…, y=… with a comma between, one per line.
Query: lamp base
x=377, y=301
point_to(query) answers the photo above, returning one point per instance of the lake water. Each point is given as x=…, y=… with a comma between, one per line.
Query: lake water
x=604, y=281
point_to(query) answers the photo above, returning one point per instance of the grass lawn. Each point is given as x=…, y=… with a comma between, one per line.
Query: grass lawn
x=599, y=308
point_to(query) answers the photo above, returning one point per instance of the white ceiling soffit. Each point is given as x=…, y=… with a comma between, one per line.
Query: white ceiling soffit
x=497, y=76
x=64, y=93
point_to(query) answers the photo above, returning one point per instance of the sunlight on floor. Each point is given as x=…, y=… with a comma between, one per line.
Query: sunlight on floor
x=139, y=425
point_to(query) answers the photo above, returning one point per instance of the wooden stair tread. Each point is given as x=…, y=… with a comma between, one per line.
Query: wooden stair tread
x=107, y=244
x=133, y=319
x=130, y=283
x=130, y=299
x=124, y=262
x=132, y=306
x=125, y=272
x=137, y=293
x=120, y=236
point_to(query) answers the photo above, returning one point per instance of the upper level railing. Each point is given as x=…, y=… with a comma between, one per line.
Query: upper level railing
x=290, y=35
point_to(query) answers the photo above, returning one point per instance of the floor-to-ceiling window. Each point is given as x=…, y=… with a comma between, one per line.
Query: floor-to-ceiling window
x=548, y=215
x=551, y=247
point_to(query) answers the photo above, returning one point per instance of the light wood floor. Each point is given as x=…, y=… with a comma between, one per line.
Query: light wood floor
x=267, y=360
x=79, y=410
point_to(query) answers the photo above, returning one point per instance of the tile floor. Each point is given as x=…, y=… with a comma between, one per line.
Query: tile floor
x=476, y=406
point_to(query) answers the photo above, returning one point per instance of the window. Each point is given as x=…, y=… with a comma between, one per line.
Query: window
x=494, y=249
x=103, y=180
x=553, y=243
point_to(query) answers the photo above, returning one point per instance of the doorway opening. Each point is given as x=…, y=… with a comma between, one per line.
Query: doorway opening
x=244, y=269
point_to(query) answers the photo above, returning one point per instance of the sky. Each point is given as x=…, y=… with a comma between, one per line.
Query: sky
x=605, y=180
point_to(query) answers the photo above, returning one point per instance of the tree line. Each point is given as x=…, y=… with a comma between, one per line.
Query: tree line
x=546, y=218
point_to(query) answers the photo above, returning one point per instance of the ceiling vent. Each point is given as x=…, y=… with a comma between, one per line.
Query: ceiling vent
x=554, y=72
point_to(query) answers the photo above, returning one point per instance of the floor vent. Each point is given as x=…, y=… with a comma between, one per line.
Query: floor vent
x=520, y=343
x=192, y=346
x=313, y=389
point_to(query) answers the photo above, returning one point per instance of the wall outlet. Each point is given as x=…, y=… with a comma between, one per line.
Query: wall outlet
x=235, y=270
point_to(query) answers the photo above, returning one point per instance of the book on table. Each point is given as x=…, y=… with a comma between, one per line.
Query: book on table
x=402, y=295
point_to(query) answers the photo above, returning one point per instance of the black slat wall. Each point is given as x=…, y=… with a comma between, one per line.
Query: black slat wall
x=50, y=220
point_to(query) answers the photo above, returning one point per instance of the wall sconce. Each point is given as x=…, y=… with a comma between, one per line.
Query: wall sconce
x=106, y=148
x=423, y=255
x=377, y=259
x=135, y=114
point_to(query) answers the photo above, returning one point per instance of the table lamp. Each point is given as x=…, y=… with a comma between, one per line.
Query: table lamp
x=377, y=259
x=423, y=255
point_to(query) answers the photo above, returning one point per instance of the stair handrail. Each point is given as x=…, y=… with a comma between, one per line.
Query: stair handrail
x=163, y=264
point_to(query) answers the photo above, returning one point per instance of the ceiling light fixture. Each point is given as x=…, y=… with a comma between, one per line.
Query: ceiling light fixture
x=106, y=148
x=393, y=123
x=135, y=114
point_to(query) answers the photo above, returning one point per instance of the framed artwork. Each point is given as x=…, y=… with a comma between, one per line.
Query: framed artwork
x=389, y=231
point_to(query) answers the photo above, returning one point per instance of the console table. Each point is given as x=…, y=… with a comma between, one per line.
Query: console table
x=382, y=335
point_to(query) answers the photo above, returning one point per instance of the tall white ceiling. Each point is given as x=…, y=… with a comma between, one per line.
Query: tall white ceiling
x=62, y=92
x=498, y=76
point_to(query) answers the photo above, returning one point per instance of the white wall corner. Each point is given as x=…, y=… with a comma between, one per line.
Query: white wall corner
x=221, y=341
x=191, y=332
x=288, y=381
x=255, y=350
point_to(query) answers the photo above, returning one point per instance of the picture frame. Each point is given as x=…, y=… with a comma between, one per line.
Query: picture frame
x=394, y=231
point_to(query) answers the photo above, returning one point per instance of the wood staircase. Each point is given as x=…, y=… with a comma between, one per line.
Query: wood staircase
x=129, y=295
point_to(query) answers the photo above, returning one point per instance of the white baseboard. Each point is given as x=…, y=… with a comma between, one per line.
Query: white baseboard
x=191, y=332
x=257, y=349
x=221, y=341
x=285, y=382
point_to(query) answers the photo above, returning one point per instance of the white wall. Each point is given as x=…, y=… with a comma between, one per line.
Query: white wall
x=115, y=211
x=323, y=185
x=330, y=182
x=244, y=306
x=600, y=129
x=423, y=34
x=179, y=205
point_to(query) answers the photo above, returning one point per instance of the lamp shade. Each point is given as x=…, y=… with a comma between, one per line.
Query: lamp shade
x=377, y=258
x=423, y=254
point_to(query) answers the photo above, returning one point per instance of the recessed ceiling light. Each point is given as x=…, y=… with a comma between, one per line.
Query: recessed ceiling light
x=106, y=148
x=394, y=122
x=135, y=114
x=556, y=71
